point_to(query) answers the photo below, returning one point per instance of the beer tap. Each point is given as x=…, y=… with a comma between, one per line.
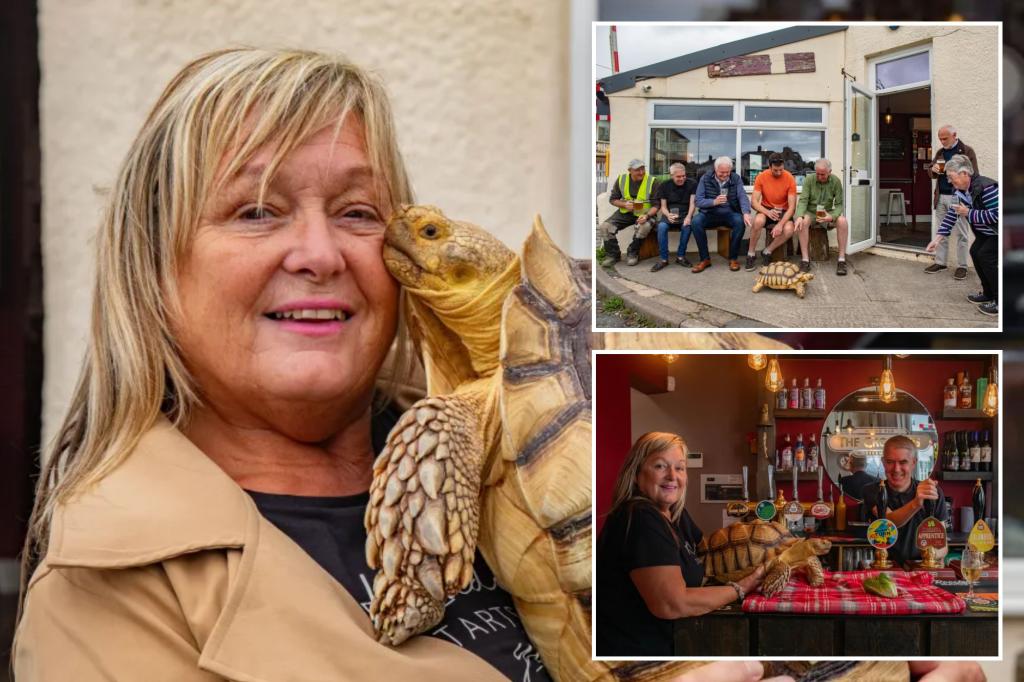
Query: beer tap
x=741, y=509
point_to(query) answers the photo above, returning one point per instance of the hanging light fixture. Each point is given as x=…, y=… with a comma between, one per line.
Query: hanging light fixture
x=849, y=425
x=670, y=358
x=757, y=361
x=773, y=380
x=888, y=116
x=990, y=405
x=887, y=384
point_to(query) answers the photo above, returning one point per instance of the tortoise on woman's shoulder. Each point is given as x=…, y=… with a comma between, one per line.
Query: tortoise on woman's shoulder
x=783, y=275
x=734, y=552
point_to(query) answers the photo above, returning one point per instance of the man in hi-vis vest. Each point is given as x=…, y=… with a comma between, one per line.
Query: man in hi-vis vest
x=631, y=194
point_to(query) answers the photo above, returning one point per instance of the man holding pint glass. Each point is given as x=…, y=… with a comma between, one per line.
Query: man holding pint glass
x=976, y=199
x=821, y=205
x=949, y=145
x=723, y=202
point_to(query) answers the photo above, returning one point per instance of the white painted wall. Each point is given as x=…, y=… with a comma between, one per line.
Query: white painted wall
x=479, y=90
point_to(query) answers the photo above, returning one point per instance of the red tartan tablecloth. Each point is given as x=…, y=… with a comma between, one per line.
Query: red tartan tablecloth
x=843, y=593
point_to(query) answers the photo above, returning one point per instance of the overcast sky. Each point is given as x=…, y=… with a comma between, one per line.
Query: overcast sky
x=640, y=45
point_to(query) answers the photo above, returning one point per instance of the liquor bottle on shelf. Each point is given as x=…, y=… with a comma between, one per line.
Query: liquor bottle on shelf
x=812, y=453
x=806, y=395
x=949, y=395
x=979, y=391
x=819, y=396
x=966, y=393
x=787, y=453
x=800, y=454
x=965, y=453
x=986, y=453
x=978, y=501
x=782, y=398
x=794, y=396
x=975, y=451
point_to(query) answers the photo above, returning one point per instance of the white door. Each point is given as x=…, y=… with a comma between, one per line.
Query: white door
x=860, y=167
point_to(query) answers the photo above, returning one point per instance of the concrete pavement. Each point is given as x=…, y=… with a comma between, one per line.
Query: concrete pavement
x=878, y=292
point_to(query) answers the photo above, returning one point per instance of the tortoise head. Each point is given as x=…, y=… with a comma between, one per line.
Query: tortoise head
x=806, y=276
x=819, y=545
x=424, y=249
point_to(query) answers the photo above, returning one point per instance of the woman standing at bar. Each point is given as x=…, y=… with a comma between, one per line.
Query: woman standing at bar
x=648, y=573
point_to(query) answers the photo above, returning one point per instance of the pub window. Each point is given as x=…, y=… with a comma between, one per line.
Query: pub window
x=695, y=133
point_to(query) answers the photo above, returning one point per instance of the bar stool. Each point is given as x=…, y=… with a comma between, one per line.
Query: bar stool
x=901, y=207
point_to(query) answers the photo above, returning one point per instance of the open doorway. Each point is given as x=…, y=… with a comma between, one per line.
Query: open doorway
x=904, y=154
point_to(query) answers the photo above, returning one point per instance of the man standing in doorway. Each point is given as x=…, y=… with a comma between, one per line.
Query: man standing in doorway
x=950, y=145
x=631, y=194
x=723, y=202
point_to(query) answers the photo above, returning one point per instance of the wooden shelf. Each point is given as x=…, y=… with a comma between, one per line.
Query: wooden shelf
x=965, y=475
x=800, y=414
x=786, y=476
x=956, y=413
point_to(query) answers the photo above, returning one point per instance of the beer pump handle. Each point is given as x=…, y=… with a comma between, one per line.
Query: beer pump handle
x=929, y=507
x=821, y=493
x=746, y=491
x=883, y=499
x=796, y=475
x=771, y=481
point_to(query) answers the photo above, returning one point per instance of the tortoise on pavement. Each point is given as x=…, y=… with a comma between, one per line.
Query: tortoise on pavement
x=783, y=275
x=734, y=552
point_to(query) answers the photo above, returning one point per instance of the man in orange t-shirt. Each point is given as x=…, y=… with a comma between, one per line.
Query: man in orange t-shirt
x=774, y=203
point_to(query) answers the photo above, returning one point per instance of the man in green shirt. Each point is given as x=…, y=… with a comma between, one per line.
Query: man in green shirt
x=821, y=205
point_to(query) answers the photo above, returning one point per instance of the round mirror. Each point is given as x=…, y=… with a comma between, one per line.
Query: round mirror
x=858, y=427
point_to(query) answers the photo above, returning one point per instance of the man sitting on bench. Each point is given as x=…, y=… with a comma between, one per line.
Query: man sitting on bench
x=774, y=202
x=821, y=205
x=723, y=203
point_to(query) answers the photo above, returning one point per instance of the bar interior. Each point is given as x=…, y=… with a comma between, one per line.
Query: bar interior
x=799, y=440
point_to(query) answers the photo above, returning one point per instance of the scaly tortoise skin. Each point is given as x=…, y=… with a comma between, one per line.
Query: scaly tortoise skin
x=783, y=275
x=734, y=552
x=499, y=453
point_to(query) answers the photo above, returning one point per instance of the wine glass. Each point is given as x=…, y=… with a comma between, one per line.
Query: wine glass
x=971, y=564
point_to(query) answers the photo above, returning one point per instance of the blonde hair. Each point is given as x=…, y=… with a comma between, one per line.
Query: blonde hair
x=626, y=489
x=210, y=120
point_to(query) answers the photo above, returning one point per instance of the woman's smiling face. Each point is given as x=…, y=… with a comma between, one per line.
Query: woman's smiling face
x=290, y=300
x=662, y=477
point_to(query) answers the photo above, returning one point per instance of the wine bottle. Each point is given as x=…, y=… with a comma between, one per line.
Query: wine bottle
x=978, y=501
x=986, y=453
x=965, y=453
x=975, y=450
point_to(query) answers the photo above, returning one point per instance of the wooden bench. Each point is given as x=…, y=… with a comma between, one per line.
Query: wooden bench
x=649, y=247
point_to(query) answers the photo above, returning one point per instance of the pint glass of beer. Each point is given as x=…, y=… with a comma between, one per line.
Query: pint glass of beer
x=820, y=212
x=941, y=163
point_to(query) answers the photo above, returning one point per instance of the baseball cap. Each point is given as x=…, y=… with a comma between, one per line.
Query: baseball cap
x=636, y=163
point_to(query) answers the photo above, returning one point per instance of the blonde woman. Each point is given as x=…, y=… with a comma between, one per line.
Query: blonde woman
x=200, y=514
x=647, y=569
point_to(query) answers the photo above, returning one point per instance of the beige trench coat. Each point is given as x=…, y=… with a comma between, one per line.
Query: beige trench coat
x=166, y=571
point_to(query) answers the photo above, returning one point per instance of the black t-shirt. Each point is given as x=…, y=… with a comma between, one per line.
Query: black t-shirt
x=481, y=618
x=905, y=547
x=637, y=535
x=677, y=196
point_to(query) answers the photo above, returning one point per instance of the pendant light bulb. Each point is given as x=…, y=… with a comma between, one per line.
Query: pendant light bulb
x=756, y=361
x=773, y=380
x=670, y=358
x=887, y=384
x=990, y=405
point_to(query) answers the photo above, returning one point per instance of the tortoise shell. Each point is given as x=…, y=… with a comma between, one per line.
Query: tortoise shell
x=735, y=551
x=781, y=269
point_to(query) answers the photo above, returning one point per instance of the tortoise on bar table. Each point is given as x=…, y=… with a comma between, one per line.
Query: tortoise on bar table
x=734, y=552
x=501, y=447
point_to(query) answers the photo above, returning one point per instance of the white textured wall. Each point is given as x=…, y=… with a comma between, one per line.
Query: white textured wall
x=480, y=90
